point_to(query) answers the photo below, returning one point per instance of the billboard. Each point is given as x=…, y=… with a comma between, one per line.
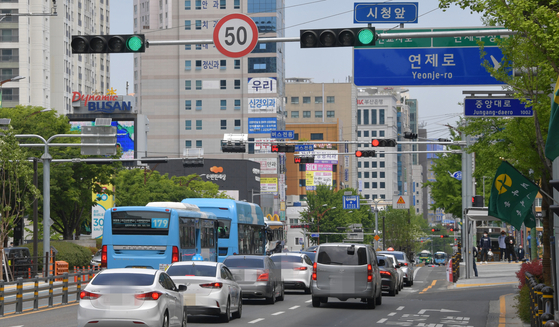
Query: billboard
x=124, y=135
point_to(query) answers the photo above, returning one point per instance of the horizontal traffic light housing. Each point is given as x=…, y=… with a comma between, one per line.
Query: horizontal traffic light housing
x=283, y=148
x=193, y=162
x=410, y=135
x=365, y=153
x=122, y=43
x=383, y=142
x=303, y=160
x=234, y=147
x=338, y=37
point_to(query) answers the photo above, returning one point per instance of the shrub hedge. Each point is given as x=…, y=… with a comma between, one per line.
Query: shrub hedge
x=75, y=255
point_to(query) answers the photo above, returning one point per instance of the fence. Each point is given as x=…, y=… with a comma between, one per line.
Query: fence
x=541, y=303
x=80, y=276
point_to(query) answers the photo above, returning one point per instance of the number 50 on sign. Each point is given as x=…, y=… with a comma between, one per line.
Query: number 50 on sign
x=235, y=35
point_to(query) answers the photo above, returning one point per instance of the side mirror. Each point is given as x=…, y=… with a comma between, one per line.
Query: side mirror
x=182, y=288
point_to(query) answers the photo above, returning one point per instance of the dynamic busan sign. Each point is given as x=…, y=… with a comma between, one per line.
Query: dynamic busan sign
x=102, y=103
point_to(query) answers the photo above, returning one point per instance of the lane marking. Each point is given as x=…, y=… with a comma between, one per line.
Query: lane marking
x=255, y=320
x=400, y=308
x=382, y=321
x=294, y=307
x=392, y=314
x=486, y=284
x=502, y=311
x=428, y=287
x=30, y=311
x=278, y=313
x=309, y=301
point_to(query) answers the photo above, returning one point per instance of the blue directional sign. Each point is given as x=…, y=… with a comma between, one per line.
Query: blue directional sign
x=383, y=12
x=304, y=147
x=314, y=235
x=454, y=66
x=496, y=107
x=283, y=135
x=352, y=202
x=457, y=175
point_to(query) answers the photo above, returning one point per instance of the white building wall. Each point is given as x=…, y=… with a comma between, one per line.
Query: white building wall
x=295, y=234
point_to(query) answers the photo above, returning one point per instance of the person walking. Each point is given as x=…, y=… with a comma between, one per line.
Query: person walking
x=529, y=243
x=485, y=246
x=521, y=253
x=511, y=242
x=474, y=257
x=502, y=245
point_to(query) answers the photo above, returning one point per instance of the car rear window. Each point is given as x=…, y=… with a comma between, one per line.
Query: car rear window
x=241, y=263
x=339, y=255
x=398, y=255
x=123, y=279
x=286, y=258
x=192, y=270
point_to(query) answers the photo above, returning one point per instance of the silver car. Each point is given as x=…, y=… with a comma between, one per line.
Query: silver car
x=212, y=290
x=398, y=268
x=407, y=265
x=96, y=259
x=296, y=270
x=130, y=297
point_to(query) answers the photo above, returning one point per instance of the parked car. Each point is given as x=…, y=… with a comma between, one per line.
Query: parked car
x=296, y=270
x=407, y=265
x=211, y=288
x=257, y=275
x=389, y=275
x=344, y=271
x=132, y=296
x=19, y=262
x=398, y=268
x=96, y=259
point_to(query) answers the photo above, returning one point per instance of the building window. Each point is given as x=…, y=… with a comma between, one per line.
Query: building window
x=366, y=185
x=306, y=114
x=237, y=104
x=188, y=144
x=295, y=114
x=366, y=174
x=306, y=99
x=237, y=84
x=188, y=125
x=237, y=4
x=358, y=116
x=330, y=114
x=199, y=125
x=374, y=164
x=187, y=104
x=198, y=64
x=381, y=164
x=317, y=136
x=330, y=99
x=303, y=182
x=198, y=24
x=358, y=174
x=198, y=84
x=199, y=144
x=381, y=133
x=382, y=185
x=375, y=185
x=317, y=100
x=366, y=117
x=223, y=84
x=221, y=4
x=198, y=4
x=223, y=64
x=223, y=124
x=294, y=100
x=223, y=105
x=382, y=174
x=381, y=116
x=374, y=174
x=358, y=164
x=373, y=116
x=262, y=65
x=187, y=47
x=187, y=25
x=187, y=65
x=365, y=133
x=186, y=5
x=237, y=64
x=302, y=167
x=188, y=85
x=296, y=136
x=198, y=47
x=198, y=104
x=318, y=114
x=237, y=124
x=365, y=164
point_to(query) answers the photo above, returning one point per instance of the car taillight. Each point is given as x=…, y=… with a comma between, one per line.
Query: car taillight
x=314, y=271
x=148, y=296
x=263, y=277
x=84, y=295
x=369, y=273
x=300, y=268
x=385, y=273
x=405, y=263
x=104, y=256
x=211, y=285
x=175, y=257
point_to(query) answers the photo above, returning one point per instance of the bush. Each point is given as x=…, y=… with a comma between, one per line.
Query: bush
x=75, y=255
x=522, y=304
x=533, y=267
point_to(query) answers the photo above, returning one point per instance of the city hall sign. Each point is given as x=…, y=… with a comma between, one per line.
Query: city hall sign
x=99, y=103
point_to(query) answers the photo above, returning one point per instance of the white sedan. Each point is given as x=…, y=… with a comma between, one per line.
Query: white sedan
x=132, y=297
x=212, y=289
x=296, y=270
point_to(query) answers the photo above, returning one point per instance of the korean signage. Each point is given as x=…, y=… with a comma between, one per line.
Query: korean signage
x=370, y=102
x=385, y=12
x=263, y=145
x=262, y=125
x=262, y=105
x=318, y=174
x=267, y=165
x=323, y=156
x=438, y=42
x=496, y=107
x=268, y=184
x=261, y=85
x=282, y=134
x=216, y=174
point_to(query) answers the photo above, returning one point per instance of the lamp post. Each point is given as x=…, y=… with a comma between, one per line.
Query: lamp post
x=13, y=79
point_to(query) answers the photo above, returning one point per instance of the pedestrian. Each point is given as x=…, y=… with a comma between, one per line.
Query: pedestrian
x=511, y=242
x=485, y=246
x=502, y=245
x=474, y=252
x=529, y=243
x=11, y=244
x=278, y=247
x=521, y=253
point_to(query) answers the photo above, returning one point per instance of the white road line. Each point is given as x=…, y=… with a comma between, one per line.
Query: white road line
x=400, y=308
x=295, y=307
x=255, y=320
x=391, y=314
x=278, y=313
x=309, y=301
x=382, y=321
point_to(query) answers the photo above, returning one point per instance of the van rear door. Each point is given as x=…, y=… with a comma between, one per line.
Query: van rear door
x=342, y=269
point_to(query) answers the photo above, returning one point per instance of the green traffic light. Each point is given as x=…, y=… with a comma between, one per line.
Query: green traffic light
x=134, y=43
x=366, y=36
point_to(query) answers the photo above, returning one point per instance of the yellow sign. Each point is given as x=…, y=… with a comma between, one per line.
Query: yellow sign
x=377, y=237
x=400, y=201
x=310, y=178
x=501, y=181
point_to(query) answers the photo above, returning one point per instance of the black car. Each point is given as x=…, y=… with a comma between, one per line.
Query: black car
x=388, y=274
x=19, y=262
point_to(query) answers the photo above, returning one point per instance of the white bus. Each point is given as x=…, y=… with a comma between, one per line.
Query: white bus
x=275, y=231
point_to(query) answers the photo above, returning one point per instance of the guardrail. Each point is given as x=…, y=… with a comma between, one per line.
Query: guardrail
x=541, y=303
x=80, y=278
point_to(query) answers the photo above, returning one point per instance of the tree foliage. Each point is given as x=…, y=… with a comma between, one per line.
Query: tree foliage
x=403, y=229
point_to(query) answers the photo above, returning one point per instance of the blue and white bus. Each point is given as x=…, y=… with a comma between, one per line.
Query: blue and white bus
x=276, y=231
x=241, y=225
x=157, y=235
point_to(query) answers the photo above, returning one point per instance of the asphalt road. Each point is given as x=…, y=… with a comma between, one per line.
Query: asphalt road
x=431, y=301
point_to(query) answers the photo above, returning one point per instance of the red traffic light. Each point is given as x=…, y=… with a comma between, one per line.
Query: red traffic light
x=297, y=160
x=442, y=236
x=452, y=229
x=375, y=142
x=275, y=148
x=432, y=229
x=358, y=154
x=365, y=153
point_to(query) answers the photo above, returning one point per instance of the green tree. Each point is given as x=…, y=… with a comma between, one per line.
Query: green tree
x=403, y=229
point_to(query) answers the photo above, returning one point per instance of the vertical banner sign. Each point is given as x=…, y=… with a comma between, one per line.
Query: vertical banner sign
x=104, y=203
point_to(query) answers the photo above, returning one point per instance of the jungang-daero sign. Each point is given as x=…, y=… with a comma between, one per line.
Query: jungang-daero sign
x=102, y=103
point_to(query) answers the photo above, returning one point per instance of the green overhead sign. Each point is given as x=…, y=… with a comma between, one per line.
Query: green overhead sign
x=437, y=42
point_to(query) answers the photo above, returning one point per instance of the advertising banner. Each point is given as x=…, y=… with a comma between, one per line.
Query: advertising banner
x=268, y=184
x=262, y=105
x=261, y=85
x=267, y=165
x=104, y=202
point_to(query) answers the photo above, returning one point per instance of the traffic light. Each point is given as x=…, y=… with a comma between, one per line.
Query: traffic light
x=452, y=229
x=383, y=142
x=365, y=154
x=123, y=43
x=193, y=162
x=410, y=135
x=477, y=201
x=338, y=37
x=443, y=236
x=435, y=230
x=237, y=147
x=283, y=148
x=302, y=160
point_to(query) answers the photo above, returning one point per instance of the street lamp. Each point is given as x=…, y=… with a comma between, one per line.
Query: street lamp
x=13, y=79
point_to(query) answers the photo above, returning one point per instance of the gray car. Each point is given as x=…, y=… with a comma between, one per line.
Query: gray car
x=257, y=276
x=407, y=265
x=345, y=271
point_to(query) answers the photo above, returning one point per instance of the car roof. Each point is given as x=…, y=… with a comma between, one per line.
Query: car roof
x=145, y=271
x=293, y=254
x=343, y=244
x=195, y=263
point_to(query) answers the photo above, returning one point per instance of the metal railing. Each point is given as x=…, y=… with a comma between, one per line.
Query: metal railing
x=541, y=303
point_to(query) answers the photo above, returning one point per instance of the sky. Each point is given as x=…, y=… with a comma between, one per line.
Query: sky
x=437, y=106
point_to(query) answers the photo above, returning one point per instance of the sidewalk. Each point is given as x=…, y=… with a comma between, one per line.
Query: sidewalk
x=501, y=312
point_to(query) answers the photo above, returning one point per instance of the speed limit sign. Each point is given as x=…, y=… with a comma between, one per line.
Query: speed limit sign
x=235, y=35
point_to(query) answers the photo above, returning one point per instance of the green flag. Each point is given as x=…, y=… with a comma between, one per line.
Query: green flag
x=552, y=143
x=512, y=195
x=530, y=220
